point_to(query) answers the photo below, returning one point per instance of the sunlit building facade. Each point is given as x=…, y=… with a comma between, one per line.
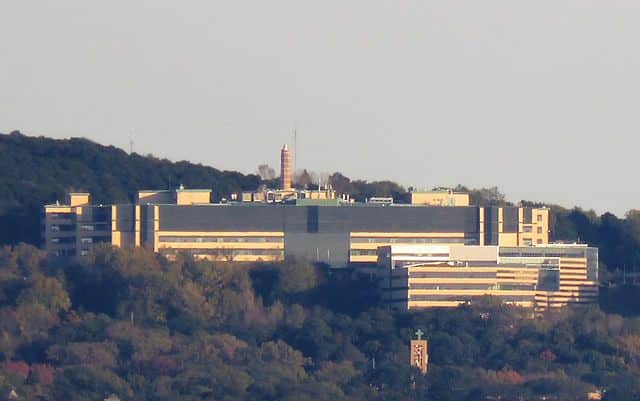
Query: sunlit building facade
x=541, y=277
x=328, y=231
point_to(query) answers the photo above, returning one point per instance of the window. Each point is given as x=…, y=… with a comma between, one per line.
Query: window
x=548, y=279
x=539, y=217
x=60, y=215
x=63, y=227
x=527, y=241
x=86, y=227
x=538, y=241
x=539, y=230
x=86, y=240
x=363, y=252
x=526, y=229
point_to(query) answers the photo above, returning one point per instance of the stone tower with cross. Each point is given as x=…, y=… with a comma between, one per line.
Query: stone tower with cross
x=419, y=353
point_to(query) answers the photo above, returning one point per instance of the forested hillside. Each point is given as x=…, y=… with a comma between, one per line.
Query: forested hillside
x=143, y=328
x=35, y=171
x=137, y=325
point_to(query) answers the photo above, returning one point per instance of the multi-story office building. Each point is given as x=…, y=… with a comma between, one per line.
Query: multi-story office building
x=269, y=225
x=326, y=231
x=544, y=276
x=73, y=228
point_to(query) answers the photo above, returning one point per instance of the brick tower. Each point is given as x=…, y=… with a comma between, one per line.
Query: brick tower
x=286, y=172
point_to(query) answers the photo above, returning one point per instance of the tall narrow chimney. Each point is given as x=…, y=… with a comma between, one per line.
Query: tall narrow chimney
x=286, y=157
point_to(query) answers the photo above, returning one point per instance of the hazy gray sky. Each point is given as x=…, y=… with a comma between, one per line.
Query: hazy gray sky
x=541, y=98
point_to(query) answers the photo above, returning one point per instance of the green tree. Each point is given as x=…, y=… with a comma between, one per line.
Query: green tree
x=45, y=291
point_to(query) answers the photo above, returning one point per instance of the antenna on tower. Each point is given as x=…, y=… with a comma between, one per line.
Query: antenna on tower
x=295, y=146
x=131, y=145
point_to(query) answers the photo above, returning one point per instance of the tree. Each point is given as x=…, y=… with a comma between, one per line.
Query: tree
x=46, y=291
x=82, y=383
x=297, y=275
x=103, y=354
x=266, y=172
x=303, y=179
x=485, y=196
x=340, y=183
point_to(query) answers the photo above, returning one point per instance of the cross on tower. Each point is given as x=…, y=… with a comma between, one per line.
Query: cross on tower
x=419, y=334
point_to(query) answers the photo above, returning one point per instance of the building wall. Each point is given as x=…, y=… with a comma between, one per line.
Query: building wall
x=338, y=234
x=440, y=198
x=192, y=196
x=330, y=248
x=179, y=196
x=539, y=233
x=74, y=230
x=59, y=230
x=78, y=199
x=224, y=245
x=364, y=245
x=575, y=287
x=516, y=226
x=437, y=286
x=158, y=197
x=413, y=277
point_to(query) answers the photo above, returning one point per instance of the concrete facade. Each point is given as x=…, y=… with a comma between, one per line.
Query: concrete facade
x=326, y=231
x=541, y=277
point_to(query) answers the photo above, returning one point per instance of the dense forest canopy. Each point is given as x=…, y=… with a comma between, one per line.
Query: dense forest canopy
x=136, y=325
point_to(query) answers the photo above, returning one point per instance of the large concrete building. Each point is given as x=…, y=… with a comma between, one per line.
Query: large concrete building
x=425, y=256
x=543, y=277
x=333, y=232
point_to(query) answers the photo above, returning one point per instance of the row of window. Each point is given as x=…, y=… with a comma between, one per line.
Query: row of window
x=62, y=228
x=95, y=240
x=364, y=252
x=70, y=252
x=64, y=252
x=528, y=229
x=208, y=239
x=464, y=286
x=540, y=253
x=82, y=227
x=222, y=253
x=463, y=298
x=450, y=286
x=374, y=252
x=95, y=227
x=63, y=240
x=403, y=240
x=61, y=215
x=459, y=275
